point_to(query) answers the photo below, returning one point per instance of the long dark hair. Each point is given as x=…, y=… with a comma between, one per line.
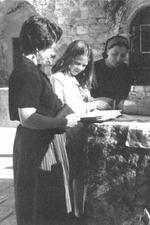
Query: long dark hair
x=75, y=49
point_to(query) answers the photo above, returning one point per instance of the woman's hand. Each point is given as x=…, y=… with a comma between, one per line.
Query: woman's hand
x=72, y=120
x=103, y=105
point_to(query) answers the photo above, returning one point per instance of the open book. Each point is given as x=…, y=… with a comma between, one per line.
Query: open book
x=100, y=115
x=93, y=116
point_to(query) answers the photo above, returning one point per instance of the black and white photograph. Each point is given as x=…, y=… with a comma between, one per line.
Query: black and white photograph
x=74, y=112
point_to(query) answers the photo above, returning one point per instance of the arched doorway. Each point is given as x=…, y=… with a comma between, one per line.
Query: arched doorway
x=140, y=47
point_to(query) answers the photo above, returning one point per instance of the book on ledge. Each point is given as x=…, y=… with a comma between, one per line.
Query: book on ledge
x=100, y=115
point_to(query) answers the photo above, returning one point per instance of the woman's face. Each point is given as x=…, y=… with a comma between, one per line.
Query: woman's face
x=46, y=56
x=78, y=65
x=116, y=56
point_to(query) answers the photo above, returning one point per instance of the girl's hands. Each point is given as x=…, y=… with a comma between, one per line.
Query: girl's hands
x=72, y=120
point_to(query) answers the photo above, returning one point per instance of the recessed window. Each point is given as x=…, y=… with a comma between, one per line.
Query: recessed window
x=140, y=47
x=145, y=38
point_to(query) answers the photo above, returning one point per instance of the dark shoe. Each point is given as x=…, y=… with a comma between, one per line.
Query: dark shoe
x=81, y=220
x=71, y=216
x=74, y=220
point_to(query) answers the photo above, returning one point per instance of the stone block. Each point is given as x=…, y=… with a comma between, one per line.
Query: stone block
x=147, y=94
x=130, y=107
x=147, y=89
x=65, y=12
x=139, y=88
x=84, y=13
x=82, y=29
x=132, y=88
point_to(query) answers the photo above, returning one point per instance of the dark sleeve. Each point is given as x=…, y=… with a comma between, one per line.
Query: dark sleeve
x=94, y=90
x=127, y=82
x=105, y=85
x=131, y=76
x=28, y=91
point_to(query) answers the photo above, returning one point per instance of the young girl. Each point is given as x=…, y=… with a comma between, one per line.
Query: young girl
x=71, y=80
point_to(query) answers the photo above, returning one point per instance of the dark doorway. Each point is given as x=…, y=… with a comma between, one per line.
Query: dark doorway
x=140, y=47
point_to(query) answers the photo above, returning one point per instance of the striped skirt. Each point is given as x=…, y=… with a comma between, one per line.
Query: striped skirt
x=57, y=153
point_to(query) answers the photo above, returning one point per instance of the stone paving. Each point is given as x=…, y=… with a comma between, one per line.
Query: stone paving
x=7, y=211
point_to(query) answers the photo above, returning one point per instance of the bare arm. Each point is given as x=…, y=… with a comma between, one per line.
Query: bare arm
x=31, y=119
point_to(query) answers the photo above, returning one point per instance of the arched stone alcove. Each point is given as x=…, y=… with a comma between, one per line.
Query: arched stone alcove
x=139, y=29
x=14, y=15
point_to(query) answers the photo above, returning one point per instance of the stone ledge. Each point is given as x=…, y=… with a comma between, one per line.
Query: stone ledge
x=118, y=177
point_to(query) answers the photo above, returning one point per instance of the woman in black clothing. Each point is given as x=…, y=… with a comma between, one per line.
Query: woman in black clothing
x=33, y=103
x=112, y=73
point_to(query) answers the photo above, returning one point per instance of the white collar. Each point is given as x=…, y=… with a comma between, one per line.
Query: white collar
x=32, y=57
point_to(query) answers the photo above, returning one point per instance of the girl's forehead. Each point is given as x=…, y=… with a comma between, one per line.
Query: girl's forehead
x=82, y=58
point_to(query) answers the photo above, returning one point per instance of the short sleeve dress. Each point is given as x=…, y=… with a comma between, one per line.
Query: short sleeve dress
x=28, y=87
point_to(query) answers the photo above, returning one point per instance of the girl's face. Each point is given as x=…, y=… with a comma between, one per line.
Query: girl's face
x=116, y=56
x=78, y=65
x=46, y=56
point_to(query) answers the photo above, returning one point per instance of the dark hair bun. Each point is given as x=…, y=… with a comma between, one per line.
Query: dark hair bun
x=113, y=41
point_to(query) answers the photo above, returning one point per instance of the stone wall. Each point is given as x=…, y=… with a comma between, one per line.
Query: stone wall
x=79, y=19
x=118, y=176
x=89, y=20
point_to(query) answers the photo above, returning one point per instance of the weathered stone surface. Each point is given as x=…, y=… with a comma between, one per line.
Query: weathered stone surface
x=118, y=177
x=77, y=18
x=82, y=19
x=13, y=14
x=140, y=95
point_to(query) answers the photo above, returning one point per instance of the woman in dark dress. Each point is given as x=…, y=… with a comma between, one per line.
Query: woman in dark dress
x=33, y=103
x=112, y=73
